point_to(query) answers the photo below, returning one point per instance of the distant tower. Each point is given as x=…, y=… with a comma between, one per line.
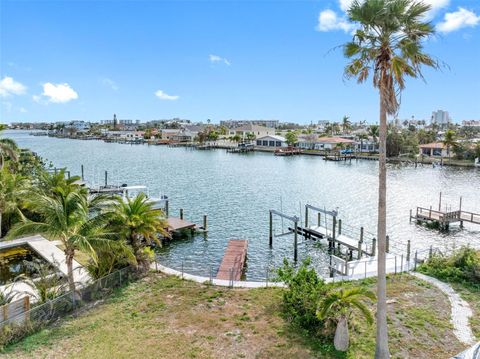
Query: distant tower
x=114, y=121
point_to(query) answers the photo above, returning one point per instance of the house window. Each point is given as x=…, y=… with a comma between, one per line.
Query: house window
x=278, y=143
x=437, y=151
x=265, y=143
x=272, y=144
x=259, y=143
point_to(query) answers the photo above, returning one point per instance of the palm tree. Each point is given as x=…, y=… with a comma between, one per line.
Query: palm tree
x=68, y=215
x=139, y=223
x=339, y=304
x=450, y=140
x=13, y=187
x=388, y=44
x=346, y=124
x=8, y=148
x=291, y=137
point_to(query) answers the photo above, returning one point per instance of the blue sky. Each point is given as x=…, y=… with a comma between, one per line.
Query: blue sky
x=86, y=60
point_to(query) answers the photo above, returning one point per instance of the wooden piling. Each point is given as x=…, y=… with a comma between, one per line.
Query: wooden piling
x=205, y=222
x=166, y=208
x=83, y=178
x=387, y=244
x=295, y=235
x=334, y=228
x=408, y=250
x=339, y=226
x=319, y=217
x=181, y=213
x=374, y=246
x=306, y=217
x=270, y=237
x=106, y=178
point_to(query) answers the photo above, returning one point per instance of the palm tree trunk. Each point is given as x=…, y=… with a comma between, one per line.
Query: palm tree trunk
x=71, y=281
x=341, y=339
x=382, y=350
x=0, y=224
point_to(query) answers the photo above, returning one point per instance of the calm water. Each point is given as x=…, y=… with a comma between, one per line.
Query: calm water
x=236, y=191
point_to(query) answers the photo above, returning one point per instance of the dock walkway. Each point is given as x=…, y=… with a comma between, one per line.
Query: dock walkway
x=233, y=260
x=177, y=224
x=428, y=214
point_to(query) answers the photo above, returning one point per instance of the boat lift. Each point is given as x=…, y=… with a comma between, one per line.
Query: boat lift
x=295, y=221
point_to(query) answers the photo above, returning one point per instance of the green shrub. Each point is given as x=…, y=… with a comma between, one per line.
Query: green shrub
x=463, y=266
x=300, y=299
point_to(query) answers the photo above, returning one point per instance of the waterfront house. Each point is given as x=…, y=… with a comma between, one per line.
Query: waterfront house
x=258, y=131
x=168, y=134
x=327, y=143
x=271, y=141
x=366, y=145
x=434, y=149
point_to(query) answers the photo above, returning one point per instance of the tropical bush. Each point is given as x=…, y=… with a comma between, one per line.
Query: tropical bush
x=463, y=266
x=300, y=299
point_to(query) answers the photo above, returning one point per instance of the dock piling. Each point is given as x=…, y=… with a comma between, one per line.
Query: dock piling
x=339, y=226
x=83, y=178
x=319, y=217
x=374, y=246
x=295, y=237
x=387, y=244
x=306, y=217
x=408, y=250
x=181, y=213
x=270, y=237
x=205, y=222
x=166, y=208
x=106, y=178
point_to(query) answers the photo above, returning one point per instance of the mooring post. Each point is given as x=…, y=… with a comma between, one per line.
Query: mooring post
x=83, y=178
x=295, y=241
x=166, y=208
x=387, y=244
x=374, y=246
x=334, y=225
x=408, y=250
x=416, y=259
x=440, y=202
x=359, y=249
x=205, y=222
x=430, y=252
x=306, y=217
x=106, y=178
x=270, y=236
x=181, y=213
x=410, y=216
x=339, y=226
x=319, y=219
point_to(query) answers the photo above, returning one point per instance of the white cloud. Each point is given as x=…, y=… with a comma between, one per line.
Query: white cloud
x=56, y=93
x=8, y=86
x=328, y=20
x=459, y=19
x=164, y=96
x=110, y=83
x=216, y=59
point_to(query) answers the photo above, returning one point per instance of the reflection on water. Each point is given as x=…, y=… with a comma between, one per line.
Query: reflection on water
x=236, y=191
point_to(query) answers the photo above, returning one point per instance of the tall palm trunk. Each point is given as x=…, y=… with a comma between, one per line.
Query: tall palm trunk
x=382, y=351
x=71, y=281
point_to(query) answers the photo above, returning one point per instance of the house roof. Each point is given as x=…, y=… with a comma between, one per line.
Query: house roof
x=334, y=140
x=438, y=145
x=274, y=137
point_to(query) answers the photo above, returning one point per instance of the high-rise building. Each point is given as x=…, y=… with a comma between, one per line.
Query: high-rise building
x=440, y=118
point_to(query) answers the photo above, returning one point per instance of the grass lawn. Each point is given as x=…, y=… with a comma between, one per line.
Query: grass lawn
x=164, y=317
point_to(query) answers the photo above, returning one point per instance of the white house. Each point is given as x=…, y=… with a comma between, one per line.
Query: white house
x=434, y=149
x=258, y=131
x=326, y=143
x=271, y=141
x=169, y=134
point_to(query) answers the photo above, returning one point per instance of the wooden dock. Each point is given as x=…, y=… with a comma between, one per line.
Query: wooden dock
x=445, y=218
x=176, y=224
x=233, y=260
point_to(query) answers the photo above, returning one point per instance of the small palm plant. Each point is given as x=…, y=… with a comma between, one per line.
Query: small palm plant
x=339, y=305
x=139, y=224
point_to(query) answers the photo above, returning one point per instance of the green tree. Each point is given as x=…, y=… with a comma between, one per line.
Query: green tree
x=8, y=148
x=388, y=43
x=13, y=188
x=450, y=140
x=140, y=224
x=291, y=138
x=250, y=136
x=346, y=124
x=69, y=215
x=339, y=305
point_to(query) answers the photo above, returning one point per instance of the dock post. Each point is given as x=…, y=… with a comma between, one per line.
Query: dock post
x=430, y=252
x=205, y=222
x=408, y=250
x=181, y=213
x=440, y=202
x=319, y=217
x=387, y=244
x=334, y=227
x=166, y=208
x=295, y=235
x=83, y=178
x=306, y=217
x=410, y=216
x=339, y=226
x=359, y=249
x=374, y=246
x=270, y=236
x=106, y=178
x=416, y=259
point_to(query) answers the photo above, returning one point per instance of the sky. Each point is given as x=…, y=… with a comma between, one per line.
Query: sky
x=218, y=60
